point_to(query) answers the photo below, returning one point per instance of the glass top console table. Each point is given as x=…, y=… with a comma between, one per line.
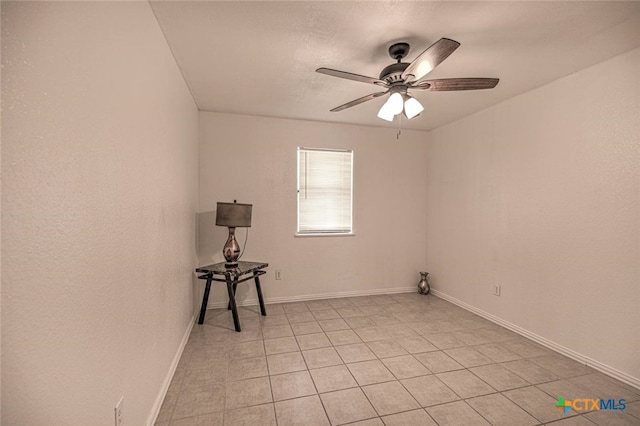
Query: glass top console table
x=232, y=276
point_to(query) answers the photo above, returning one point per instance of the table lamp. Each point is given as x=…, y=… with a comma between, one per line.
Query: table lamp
x=233, y=215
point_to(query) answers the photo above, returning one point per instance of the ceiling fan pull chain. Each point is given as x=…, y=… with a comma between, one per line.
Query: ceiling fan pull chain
x=399, y=126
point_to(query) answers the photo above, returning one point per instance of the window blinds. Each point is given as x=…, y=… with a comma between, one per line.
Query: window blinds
x=324, y=191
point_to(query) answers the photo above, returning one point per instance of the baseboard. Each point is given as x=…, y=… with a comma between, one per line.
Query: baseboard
x=155, y=410
x=583, y=359
x=303, y=298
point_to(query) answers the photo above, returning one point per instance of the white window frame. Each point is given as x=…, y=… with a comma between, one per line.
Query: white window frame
x=346, y=229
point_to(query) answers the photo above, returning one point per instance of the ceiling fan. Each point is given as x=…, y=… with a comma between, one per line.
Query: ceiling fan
x=398, y=78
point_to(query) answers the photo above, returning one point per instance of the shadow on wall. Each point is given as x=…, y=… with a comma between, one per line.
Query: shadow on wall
x=208, y=250
x=211, y=238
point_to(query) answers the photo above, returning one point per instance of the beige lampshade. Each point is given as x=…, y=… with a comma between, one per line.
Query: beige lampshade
x=234, y=215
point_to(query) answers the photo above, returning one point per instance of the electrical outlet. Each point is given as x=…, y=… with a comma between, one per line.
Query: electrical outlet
x=496, y=289
x=278, y=274
x=119, y=412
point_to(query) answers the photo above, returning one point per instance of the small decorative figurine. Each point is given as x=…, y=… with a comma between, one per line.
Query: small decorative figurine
x=423, y=285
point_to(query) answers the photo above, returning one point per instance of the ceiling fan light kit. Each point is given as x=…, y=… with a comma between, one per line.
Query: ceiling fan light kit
x=398, y=78
x=385, y=113
x=412, y=107
x=400, y=102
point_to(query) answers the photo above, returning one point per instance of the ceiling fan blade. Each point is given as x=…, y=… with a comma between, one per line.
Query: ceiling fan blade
x=429, y=59
x=351, y=76
x=448, y=84
x=358, y=101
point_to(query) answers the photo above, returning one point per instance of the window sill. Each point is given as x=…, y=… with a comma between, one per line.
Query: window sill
x=350, y=234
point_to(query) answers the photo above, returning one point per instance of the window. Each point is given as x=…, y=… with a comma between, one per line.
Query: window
x=325, y=191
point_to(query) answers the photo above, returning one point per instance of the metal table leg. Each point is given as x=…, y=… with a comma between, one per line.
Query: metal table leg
x=205, y=299
x=232, y=301
x=256, y=278
x=235, y=288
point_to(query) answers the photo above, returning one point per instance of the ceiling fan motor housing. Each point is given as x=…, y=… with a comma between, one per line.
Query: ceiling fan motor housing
x=393, y=73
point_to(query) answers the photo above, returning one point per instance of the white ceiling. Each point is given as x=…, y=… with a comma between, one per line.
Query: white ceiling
x=259, y=58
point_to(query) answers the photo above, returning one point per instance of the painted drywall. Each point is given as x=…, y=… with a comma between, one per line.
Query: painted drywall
x=0, y=238
x=99, y=195
x=541, y=195
x=253, y=160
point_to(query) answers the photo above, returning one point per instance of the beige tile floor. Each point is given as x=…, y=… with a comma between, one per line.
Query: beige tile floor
x=403, y=359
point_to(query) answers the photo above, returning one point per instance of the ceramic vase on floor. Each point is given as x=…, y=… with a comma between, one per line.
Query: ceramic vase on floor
x=423, y=285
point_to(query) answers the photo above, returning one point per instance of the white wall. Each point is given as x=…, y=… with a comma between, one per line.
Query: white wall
x=99, y=195
x=541, y=194
x=253, y=159
x=0, y=240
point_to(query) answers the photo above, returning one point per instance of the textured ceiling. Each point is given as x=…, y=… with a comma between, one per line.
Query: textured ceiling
x=259, y=58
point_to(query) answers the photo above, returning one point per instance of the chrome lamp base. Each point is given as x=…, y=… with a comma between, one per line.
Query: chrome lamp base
x=231, y=250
